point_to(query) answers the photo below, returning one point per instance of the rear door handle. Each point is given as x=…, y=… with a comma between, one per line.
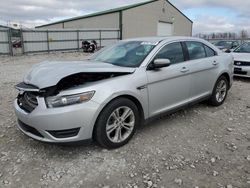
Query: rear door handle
x=215, y=63
x=184, y=69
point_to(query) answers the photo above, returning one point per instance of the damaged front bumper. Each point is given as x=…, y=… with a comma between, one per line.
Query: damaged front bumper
x=58, y=125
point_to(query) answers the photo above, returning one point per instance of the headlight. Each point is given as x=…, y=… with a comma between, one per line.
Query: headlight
x=59, y=101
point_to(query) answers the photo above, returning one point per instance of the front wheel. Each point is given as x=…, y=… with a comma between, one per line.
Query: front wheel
x=117, y=123
x=219, y=92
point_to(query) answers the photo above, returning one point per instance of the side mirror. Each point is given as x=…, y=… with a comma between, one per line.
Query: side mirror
x=159, y=63
x=228, y=51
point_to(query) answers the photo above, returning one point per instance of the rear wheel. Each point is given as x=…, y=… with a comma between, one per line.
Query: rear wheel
x=117, y=123
x=219, y=92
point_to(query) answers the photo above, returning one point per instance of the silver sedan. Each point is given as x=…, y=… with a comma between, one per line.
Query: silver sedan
x=107, y=96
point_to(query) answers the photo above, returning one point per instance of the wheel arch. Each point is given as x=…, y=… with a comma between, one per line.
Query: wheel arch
x=127, y=96
x=226, y=75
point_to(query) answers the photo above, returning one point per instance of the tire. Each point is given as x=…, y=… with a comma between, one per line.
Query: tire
x=92, y=48
x=111, y=122
x=220, y=91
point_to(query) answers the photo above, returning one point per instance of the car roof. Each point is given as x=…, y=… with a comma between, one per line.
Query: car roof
x=166, y=39
x=157, y=40
x=247, y=41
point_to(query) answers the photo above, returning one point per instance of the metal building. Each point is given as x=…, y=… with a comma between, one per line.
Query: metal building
x=150, y=18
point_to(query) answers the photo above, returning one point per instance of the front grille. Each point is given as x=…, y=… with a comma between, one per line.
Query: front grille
x=65, y=133
x=241, y=63
x=29, y=129
x=27, y=101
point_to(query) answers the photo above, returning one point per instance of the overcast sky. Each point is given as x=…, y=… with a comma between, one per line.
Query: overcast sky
x=208, y=15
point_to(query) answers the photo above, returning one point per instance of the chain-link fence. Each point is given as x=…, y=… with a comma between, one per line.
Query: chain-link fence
x=5, y=42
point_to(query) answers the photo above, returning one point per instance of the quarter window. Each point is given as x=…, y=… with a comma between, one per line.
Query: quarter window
x=196, y=50
x=209, y=51
x=173, y=52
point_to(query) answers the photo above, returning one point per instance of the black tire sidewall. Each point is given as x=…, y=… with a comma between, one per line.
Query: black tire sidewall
x=100, y=127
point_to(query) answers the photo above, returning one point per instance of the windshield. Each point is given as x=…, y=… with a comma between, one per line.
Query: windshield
x=244, y=48
x=125, y=53
x=224, y=43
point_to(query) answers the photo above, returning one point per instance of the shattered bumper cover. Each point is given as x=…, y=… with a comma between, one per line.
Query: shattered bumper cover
x=58, y=125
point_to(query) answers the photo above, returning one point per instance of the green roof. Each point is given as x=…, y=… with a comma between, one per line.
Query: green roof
x=109, y=12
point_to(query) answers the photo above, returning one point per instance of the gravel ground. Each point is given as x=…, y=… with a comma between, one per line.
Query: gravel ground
x=198, y=147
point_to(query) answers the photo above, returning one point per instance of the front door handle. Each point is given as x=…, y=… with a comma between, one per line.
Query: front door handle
x=184, y=69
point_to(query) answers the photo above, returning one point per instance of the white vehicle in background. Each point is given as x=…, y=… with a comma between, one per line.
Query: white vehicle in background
x=227, y=45
x=242, y=60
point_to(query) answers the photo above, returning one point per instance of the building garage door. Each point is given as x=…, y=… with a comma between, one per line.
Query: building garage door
x=164, y=29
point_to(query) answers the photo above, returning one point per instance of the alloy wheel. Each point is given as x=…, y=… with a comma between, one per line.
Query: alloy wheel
x=221, y=91
x=120, y=124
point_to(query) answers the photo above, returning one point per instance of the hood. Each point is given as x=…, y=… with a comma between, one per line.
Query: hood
x=245, y=57
x=47, y=74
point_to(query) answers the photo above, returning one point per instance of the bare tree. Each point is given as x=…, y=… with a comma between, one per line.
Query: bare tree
x=243, y=34
x=213, y=36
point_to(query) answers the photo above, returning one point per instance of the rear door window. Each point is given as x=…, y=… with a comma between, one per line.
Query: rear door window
x=196, y=50
x=209, y=52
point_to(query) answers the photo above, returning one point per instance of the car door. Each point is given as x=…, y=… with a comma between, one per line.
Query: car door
x=168, y=87
x=203, y=62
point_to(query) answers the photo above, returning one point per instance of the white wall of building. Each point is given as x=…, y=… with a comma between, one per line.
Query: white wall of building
x=143, y=20
x=139, y=21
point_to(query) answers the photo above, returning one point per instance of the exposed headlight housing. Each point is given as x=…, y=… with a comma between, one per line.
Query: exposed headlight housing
x=60, y=101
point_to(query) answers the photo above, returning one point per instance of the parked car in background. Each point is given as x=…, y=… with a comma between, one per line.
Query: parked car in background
x=106, y=97
x=225, y=45
x=89, y=47
x=242, y=60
